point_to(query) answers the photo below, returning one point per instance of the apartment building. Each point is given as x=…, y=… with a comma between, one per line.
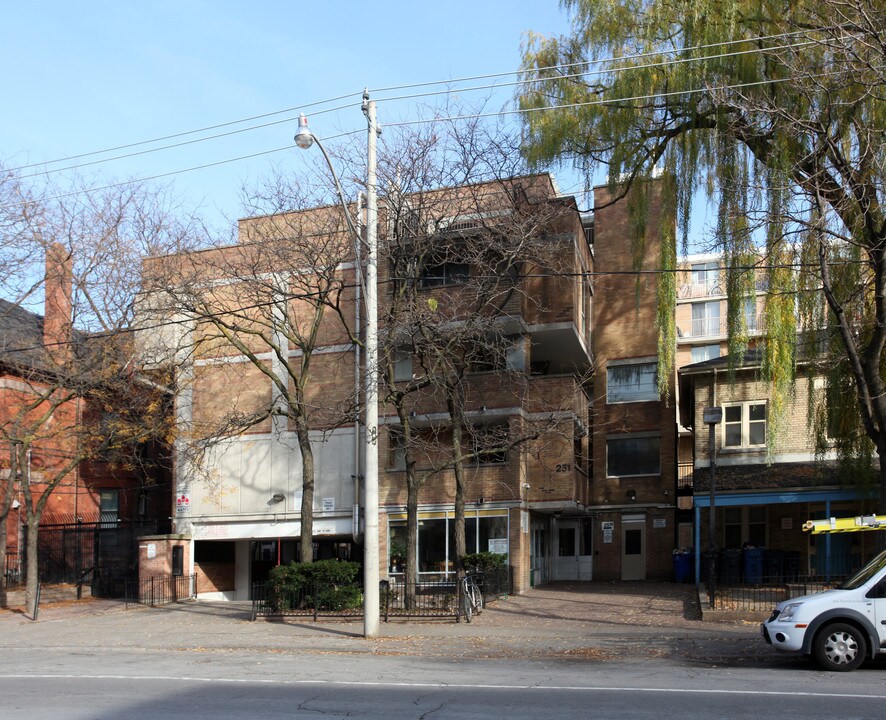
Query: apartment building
x=633, y=530
x=762, y=499
x=238, y=500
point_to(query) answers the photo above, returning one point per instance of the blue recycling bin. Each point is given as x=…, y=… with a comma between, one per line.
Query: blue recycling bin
x=682, y=567
x=753, y=566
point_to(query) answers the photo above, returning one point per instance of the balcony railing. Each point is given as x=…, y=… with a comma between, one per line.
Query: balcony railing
x=712, y=288
x=716, y=327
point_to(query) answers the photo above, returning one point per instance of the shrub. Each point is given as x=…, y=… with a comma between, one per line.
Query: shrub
x=292, y=586
x=485, y=562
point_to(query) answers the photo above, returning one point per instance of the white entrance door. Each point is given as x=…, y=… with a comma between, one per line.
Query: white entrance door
x=574, y=559
x=633, y=547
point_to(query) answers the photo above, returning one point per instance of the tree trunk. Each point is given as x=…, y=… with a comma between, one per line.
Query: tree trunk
x=456, y=414
x=306, y=549
x=33, y=568
x=5, y=506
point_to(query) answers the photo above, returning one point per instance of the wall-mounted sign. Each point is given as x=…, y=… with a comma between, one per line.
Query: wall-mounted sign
x=498, y=545
x=183, y=501
x=608, y=528
x=328, y=504
x=152, y=551
x=659, y=522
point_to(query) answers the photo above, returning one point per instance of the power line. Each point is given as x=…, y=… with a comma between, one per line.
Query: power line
x=176, y=145
x=468, y=116
x=623, y=68
x=407, y=86
x=189, y=132
x=160, y=176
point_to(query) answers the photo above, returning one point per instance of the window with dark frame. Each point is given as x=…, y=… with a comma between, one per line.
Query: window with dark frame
x=629, y=456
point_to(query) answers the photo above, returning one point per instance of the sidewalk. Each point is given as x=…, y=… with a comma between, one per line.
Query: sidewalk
x=589, y=621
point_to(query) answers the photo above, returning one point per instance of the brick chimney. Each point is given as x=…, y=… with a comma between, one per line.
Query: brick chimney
x=57, y=303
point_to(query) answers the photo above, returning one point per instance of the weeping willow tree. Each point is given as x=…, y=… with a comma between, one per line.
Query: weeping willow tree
x=775, y=112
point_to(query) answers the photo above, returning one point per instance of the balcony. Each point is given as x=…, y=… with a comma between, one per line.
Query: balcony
x=715, y=327
x=713, y=289
x=691, y=291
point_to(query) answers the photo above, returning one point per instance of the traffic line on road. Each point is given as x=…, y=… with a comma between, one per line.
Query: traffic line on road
x=445, y=686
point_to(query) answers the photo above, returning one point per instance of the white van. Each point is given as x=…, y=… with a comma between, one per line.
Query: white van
x=840, y=628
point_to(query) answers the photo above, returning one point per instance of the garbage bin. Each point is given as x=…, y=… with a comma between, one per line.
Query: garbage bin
x=730, y=567
x=773, y=562
x=682, y=566
x=753, y=565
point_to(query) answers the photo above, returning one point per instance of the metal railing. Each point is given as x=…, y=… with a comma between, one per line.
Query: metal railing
x=312, y=601
x=429, y=599
x=764, y=596
x=12, y=571
x=161, y=589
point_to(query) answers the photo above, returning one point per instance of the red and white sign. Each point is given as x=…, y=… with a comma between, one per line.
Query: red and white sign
x=183, y=502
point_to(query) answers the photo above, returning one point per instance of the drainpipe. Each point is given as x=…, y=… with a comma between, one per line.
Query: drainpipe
x=356, y=535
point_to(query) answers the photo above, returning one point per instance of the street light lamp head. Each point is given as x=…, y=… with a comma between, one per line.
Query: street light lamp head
x=304, y=138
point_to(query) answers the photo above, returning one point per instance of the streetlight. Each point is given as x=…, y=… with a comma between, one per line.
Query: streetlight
x=304, y=138
x=712, y=417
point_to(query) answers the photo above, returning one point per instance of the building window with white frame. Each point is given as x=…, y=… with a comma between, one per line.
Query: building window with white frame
x=705, y=278
x=633, y=455
x=744, y=425
x=632, y=382
x=706, y=319
x=703, y=353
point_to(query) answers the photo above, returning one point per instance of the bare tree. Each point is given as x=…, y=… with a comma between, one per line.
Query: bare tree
x=467, y=237
x=75, y=394
x=275, y=299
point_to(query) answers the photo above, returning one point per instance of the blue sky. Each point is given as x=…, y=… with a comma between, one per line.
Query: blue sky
x=87, y=76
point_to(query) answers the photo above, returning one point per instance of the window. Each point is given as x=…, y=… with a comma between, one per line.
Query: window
x=634, y=382
x=705, y=277
x=633, y=456
x=109, y=507
x=706, y=319
x=705, y=352
x=489, y=443
x=750, y=314
x=744, y=425
x=402, y=361
x=436, y=540
x=743, y=525
x=446, y=273
x=397, y=450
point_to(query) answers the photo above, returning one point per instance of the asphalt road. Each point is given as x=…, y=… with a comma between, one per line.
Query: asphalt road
x=219, y=684
x=595, y=652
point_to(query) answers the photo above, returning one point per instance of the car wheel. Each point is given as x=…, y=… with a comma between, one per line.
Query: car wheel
x=839, y=647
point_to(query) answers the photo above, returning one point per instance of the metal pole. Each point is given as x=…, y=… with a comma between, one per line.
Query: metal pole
x=712, y=534
x=370, y=490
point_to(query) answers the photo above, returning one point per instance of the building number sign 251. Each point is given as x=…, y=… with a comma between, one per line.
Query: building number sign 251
x=564, y=467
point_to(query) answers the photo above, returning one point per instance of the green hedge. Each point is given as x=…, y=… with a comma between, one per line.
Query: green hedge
x=292, y=586
x=485, y=562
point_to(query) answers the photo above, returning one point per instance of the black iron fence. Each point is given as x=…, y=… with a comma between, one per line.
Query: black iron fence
x=107, y=552
x=12, y=571
x=313, y=601
x=397, y=598
x=161, y=589
x=765, y=595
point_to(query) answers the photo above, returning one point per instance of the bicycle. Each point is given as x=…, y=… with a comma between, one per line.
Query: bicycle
x=471, y=598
